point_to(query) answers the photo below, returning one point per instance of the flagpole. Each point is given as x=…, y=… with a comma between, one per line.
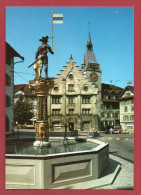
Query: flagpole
x=52, y=30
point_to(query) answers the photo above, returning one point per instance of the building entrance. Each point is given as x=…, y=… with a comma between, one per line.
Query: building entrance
x=71, y=126
x=86, y=126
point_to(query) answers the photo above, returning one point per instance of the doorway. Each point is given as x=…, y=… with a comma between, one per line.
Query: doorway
x=71, y=126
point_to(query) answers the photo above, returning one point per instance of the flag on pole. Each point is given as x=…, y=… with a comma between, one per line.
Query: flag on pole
x=57, y=18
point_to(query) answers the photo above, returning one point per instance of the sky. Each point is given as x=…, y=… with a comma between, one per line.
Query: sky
x=112, y=35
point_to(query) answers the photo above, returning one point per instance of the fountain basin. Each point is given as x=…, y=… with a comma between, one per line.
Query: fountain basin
x=49, y=171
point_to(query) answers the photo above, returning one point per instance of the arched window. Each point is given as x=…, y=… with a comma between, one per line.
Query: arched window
x=125, y=117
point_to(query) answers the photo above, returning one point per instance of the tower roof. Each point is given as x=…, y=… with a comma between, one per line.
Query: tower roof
x=89, y=43
x=89, y=56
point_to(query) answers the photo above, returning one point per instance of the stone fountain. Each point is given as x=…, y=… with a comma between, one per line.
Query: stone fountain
x=51, y=163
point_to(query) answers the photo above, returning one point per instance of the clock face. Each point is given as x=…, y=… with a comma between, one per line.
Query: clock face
x=94, y=77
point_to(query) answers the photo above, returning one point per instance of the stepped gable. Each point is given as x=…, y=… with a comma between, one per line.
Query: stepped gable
x=70, y=68
x=78, y=79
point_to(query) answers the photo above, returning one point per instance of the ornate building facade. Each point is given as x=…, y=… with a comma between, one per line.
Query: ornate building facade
x=76, y=97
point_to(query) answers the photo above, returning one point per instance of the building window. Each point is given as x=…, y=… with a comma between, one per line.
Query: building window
x=111, y=114
x=85, y=88
x=56, y=88
x=71, y=87
x=33, y=91
x=71, y=111
x=8, y=80
x=8, y=101
x=129, y=127
x=106, y=96
x=126, y=102
x=105, y=114
x=86, y=126
x=132, y=108
x=86, y=100
x=111, y=123
x=85, y=111
x=7, y=124
x=56, y=100
x=125, y=109
x=127, y=94
x=125, y=118
x=117, y=115
x=71, y=76
x=132, y=117
x=71, y=100
x=115, y=106
x=55, y=111
x=105, y=107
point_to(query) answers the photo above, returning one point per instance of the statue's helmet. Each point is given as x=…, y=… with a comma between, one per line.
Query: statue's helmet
x=44, y=39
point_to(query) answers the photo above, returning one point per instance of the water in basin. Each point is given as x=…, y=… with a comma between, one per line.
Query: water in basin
x=25, y=147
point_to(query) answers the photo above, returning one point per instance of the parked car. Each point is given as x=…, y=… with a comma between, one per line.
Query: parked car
x=125, y=132
x=107, y=131
x=115, y=131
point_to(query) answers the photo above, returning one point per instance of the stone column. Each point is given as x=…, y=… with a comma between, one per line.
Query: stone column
x=42, y=87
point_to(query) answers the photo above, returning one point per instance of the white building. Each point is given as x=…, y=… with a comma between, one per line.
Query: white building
x=10, y=54
x=127, y=109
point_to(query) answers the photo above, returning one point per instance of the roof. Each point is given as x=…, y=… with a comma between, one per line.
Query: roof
x=10, y=51
x=111, y=89
x=24, y=88
x=126, y=98
x=89, y=56
x=128, y=87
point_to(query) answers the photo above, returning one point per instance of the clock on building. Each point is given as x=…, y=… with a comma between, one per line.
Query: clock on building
x=93, y=77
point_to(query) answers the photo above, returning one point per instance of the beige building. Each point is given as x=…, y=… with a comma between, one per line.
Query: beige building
x=76, y=97
x=127, y=109
x=73, y=100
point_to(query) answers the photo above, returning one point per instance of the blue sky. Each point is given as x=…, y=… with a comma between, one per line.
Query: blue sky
x=112, y=35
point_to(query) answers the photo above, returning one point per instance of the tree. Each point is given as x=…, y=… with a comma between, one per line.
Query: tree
x=22, y=110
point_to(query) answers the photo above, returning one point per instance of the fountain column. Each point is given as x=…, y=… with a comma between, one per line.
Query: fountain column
x=42, y=87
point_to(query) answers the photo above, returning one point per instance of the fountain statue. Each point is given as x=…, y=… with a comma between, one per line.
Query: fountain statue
x=42, y=85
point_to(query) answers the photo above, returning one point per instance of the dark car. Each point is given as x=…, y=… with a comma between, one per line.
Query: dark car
x=107, y=131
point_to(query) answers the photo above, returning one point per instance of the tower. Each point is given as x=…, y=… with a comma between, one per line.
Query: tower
x=91, y=68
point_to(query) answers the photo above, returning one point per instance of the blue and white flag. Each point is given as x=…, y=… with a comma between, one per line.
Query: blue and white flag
x=57, y=18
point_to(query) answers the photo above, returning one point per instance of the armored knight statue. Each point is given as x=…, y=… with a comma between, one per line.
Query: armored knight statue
x=41, y=58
